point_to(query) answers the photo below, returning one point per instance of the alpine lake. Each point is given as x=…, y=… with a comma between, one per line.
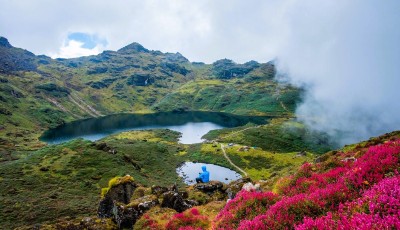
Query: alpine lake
x=192, y=126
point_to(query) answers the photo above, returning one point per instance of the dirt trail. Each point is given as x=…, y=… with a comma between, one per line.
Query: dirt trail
x=229, y=160
x=224, y=152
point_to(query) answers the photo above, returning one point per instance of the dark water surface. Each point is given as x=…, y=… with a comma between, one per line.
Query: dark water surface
x=192, y=125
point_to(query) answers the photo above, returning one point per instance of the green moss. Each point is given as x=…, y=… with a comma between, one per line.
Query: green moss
x=116, y=181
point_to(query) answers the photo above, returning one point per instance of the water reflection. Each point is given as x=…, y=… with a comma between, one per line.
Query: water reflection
x=190, y=170
x=192, y=125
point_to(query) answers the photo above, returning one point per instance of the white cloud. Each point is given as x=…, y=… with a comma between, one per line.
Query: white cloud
x=72, y=49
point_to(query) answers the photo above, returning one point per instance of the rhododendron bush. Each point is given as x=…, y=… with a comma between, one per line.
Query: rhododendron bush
x=362, y=193
x=245, y=206
x=190, y=219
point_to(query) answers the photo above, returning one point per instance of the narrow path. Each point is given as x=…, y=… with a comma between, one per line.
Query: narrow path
x=229, y=160
x=223, y=148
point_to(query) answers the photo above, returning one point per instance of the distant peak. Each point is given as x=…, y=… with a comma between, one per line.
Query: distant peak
x=176, y=57
x=4, y=42
x=133, y=48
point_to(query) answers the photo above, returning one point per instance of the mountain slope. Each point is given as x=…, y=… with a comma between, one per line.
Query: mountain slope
x=37, y=92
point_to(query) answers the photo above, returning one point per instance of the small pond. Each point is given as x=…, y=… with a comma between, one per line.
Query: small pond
x=190, y=170
x=192, y=125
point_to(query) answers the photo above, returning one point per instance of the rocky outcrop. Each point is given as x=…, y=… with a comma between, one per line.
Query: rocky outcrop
x=251, y=187
x=133, y=48
x=125, y=216
x=104, y=147
x=121, y=192
x=158, y=190
x=4, y=42
x=210, y=187
x=235, y=186
x=15, y=59
x=176, y=201
x=140, y=79
x=125, y=206
x=226, y=69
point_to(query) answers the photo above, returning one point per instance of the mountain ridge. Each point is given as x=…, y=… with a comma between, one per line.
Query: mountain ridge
x=37, y=90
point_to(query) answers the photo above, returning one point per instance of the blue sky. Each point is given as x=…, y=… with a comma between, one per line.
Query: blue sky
x=89, y=41
x=346, y=51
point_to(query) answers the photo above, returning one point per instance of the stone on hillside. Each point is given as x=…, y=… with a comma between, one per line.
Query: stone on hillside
x=251, y=187
x=209, y=187
x=175, y=201
x=158, y=190
x=125, y=216
x=235, y=186
x=121, y=192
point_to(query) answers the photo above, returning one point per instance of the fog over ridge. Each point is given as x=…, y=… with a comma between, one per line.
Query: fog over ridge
x=351, y=62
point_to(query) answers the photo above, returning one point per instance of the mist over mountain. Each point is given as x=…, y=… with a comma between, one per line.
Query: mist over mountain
x=347, y=54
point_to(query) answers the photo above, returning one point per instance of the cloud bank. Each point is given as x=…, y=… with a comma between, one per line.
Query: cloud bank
x=346, y=52
x=349, y=52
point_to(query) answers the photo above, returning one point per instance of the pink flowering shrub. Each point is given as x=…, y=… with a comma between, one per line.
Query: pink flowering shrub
x=190, y=228
x=285, y=213
x=378, y=208
x=245, y=206
x=148, y=223
x=190, y=219
x=373, y=165
x=340, y=198
x=360, y=221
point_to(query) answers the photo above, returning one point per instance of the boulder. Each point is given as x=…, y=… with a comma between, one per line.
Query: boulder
x=235, y=186
x=209, y=187
x=158, y=190
x=125, y=216
x=119, y=193
x=174, y=200
x=251, y=187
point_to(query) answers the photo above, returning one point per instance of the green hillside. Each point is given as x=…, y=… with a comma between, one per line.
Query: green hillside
x=38, y=92
x=46, y=183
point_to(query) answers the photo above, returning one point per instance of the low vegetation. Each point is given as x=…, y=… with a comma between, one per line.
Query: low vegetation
x=59, y=186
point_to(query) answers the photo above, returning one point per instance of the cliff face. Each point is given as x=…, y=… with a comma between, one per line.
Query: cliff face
x=14, y=59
